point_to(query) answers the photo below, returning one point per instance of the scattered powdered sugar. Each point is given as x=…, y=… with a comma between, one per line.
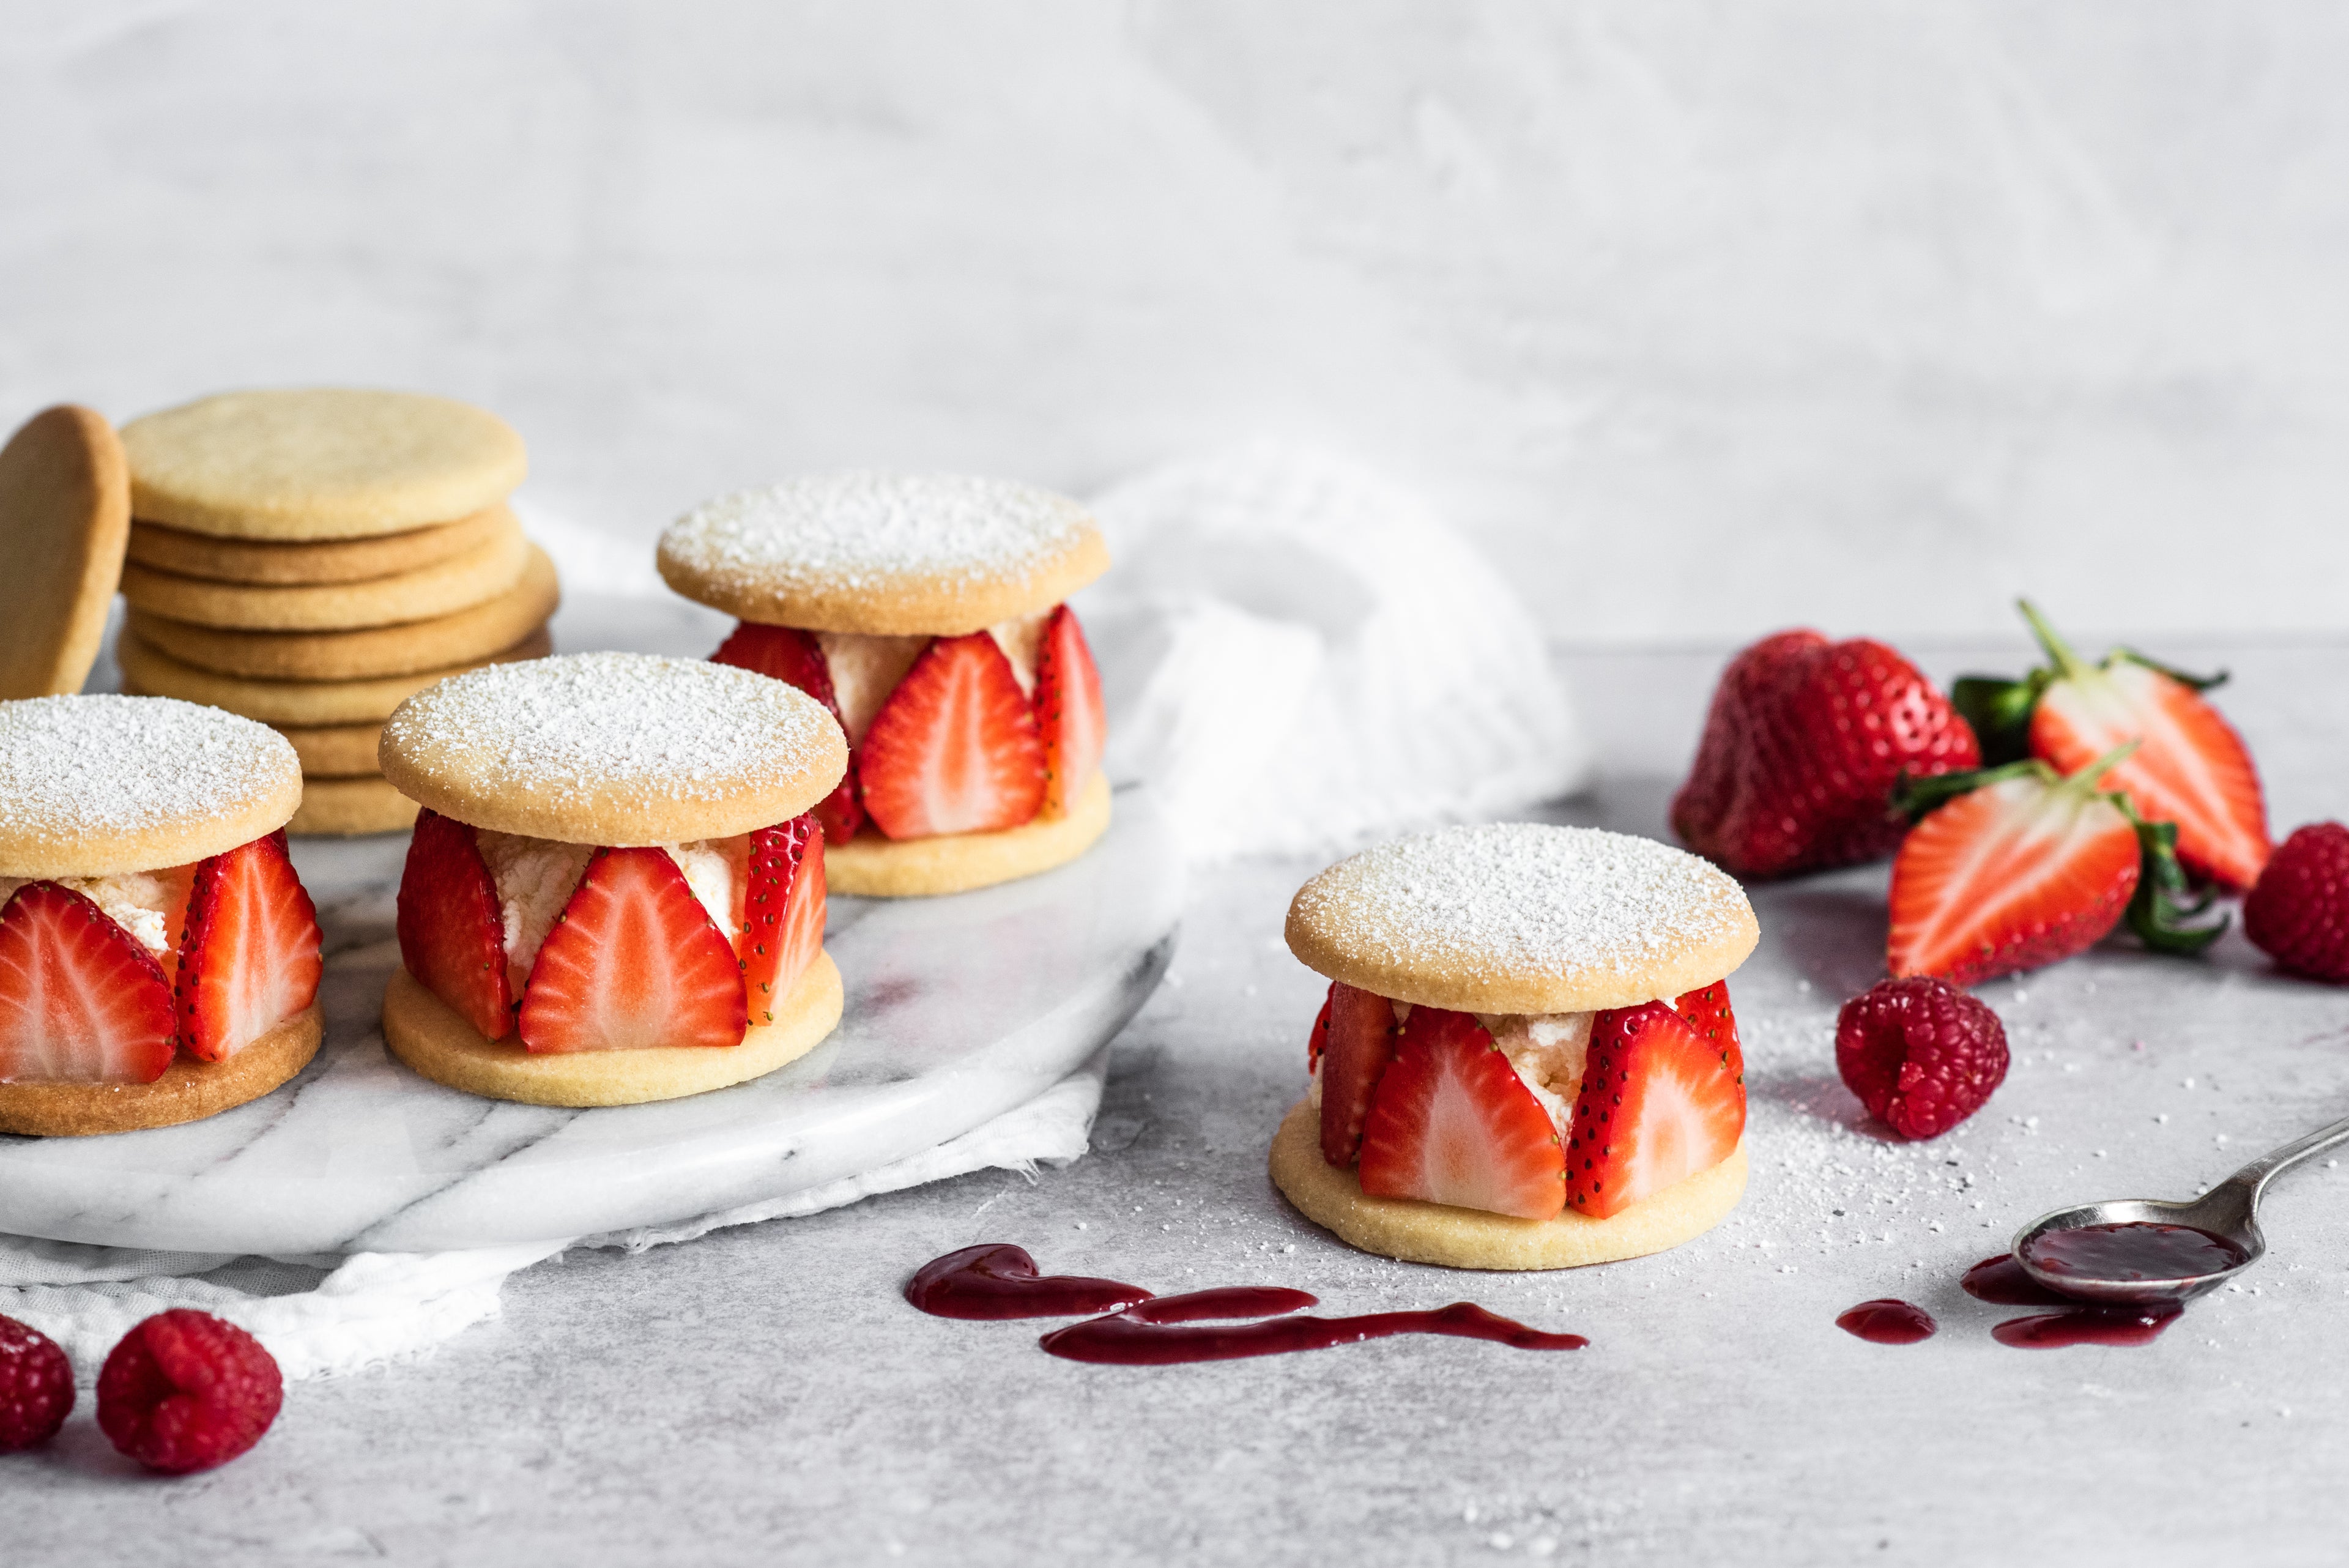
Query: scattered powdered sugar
x=675, y=728
x=1506, y=897
x=80, y=767
x=859, y=530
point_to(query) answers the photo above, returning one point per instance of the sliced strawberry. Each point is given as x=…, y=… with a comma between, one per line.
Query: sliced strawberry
x=782, y=913
x=1453, y=1123
x=632, y=961
x=954, y=748
x=1707, y=1012
x=1319, y=1041
x=80, y=1001
x=1069, y=711
x=2019, y=871
x=1359, y=1043
x=250, y=960
x=794, y=657
x=451, y=928
x=1657, y=1105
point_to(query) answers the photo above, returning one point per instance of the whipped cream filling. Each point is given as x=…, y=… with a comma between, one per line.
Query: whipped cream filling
x=866, y=667
x=536, y=876
x=140, y=902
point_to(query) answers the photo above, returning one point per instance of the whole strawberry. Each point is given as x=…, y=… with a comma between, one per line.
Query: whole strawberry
x=2298, y=911
x=1803, y=743
x=185, y=1391
x=1921, y=1054
x=37, y=1388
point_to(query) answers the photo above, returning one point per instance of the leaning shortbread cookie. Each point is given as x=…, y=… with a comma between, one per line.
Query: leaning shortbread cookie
x=615, y=890
x=65, y=514
x=926, y=614
x=1526, y=1059
x=158, y=956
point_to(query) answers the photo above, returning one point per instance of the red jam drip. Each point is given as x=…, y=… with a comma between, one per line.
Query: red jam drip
x=2132, y=1250
x=2121, y=1326
x=1888, y=1322
x=1148, y=1336
x=996, y=1281
x=2000, y=1282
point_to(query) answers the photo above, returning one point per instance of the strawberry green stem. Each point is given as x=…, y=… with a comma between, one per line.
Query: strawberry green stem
x=2085, y=781
x=2070, y=663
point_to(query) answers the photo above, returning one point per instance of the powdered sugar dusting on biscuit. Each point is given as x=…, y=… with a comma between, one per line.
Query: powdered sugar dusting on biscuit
x=84, y=768
x=1507, y=899
x=869, y=531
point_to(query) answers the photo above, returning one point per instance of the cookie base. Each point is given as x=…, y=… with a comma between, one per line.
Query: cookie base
x=877, y=867
x=344, y=808
x=188, y=1091
x=1419, y=1233
x=426, y=1033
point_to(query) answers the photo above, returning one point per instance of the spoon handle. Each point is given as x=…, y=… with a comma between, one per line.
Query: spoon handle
x=2255, y=1176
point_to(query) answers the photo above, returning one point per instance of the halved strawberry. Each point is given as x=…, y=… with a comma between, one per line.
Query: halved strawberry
x=451, y=929
x=1359, y=1043
x=80, y=1001
x=1657, y=1105
x=954, y=747
x=790, y=655
x=1069, y=711
x=632, y=961
x=1707, y=1012
x=782, y=912
x=1453, y=1123
x=250, y=960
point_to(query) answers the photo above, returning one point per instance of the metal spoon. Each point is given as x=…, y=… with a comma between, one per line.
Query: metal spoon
x=2229, y=1211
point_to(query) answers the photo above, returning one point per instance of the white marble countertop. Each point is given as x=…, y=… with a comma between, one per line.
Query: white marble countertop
x=765, y=1395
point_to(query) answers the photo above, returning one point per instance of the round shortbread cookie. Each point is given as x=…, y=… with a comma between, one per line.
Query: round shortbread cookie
x=347, y=807
x=615, y=748
x=64, y=513
x=464, y=638
x=90, y=786
x=483, y=573
x=877, y=867
x=188, y=1091
x=1420, y=1232
x=322, y=463
x=260, y=561
x=425, y=1032
x=931, y=555
x=333, y=751
x=295, y=702
x=1521, y=916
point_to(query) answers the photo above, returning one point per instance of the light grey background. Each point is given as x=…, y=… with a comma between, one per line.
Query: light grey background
x=1704, y=318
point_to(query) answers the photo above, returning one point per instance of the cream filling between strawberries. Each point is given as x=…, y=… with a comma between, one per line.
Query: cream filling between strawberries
x=536, y=876
x=1547, y=1050
x=140, y=902
x=866, y=667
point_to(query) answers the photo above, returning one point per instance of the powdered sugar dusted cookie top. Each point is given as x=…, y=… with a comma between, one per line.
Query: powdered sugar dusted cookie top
x=1523, y=918
x=614, y=748
x=92, y=787
x=903, y=554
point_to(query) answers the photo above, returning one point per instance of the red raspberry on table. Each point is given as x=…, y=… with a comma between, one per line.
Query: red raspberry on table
x=2298, y=911
x=1921, y=1054
x=36, y=1386
x=185, y=1391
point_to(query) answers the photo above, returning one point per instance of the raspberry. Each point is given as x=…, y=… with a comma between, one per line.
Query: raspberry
x=1920, y=1053
x=2298, y=911
x=35, y=1386
x=185, y=1391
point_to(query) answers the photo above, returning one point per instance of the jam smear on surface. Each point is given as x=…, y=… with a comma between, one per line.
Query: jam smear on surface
x=1888, y=1322
x=2002, y=1282
x=997, y=1281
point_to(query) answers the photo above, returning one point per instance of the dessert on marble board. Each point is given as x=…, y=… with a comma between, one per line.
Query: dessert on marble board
x=1528, y=1057
x=65, y=514
x=927, y=614
x=158, y=956
x=615, y=890
x=309, y=557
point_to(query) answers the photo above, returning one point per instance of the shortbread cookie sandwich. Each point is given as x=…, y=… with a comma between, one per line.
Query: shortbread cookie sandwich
x=615, y=890
x=158, y=956
x=926, y=613
x=1527, y=1058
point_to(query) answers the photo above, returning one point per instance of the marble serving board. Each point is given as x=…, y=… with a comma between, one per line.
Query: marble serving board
x=959, y=1009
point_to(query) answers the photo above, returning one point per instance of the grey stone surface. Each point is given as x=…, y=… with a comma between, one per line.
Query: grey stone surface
x=765, y=1395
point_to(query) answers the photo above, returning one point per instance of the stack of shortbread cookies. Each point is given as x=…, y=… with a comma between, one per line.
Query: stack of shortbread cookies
x=310, y=558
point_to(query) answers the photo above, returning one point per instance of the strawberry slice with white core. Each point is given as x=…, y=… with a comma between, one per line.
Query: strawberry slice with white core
x=955, y=748
x=2011, y=875
x=1657, y=1105
x=1453, y=1123
x=251, y=959
x=1707, y=1012
x=2191, y=768
x=782, y=913
x=634, y=961
x=1069, y=711
x=80, y=1001
x=451, y=928
x=795, y=658
x=1356, y=1049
